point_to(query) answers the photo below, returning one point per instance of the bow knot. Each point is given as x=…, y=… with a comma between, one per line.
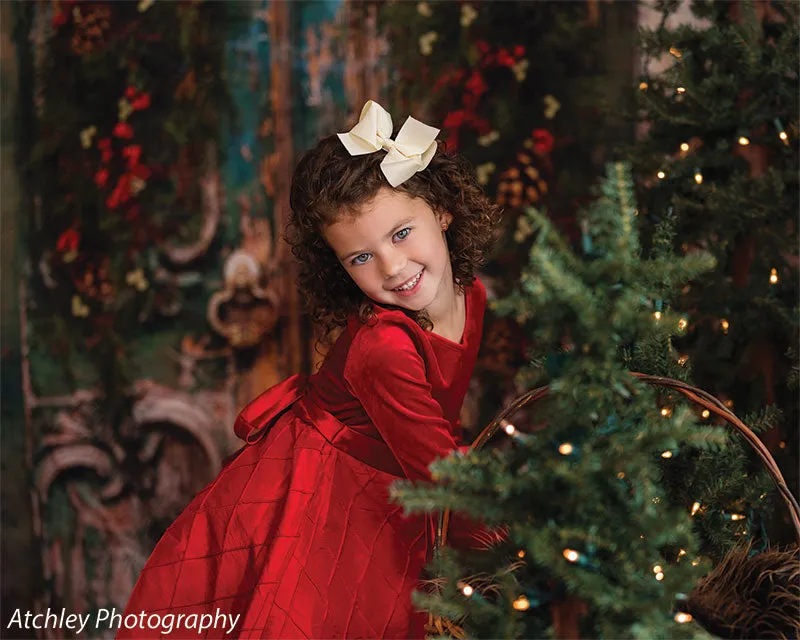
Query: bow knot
x=411, y=151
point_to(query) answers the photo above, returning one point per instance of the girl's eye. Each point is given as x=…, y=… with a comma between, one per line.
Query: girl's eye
x=361, y=259
x=403, y=233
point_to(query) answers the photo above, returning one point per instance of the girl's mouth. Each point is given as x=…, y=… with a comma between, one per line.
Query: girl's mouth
x=410, y=287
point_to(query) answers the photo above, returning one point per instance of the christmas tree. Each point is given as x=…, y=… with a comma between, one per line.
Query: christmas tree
x=721, y=156
x=593, y=543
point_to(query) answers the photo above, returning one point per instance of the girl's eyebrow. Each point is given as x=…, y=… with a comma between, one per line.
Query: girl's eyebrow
x=394, y=230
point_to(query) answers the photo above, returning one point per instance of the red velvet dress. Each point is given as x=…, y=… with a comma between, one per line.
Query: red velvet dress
x=297, y=533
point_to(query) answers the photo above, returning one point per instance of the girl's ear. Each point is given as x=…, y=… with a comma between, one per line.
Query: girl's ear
x=444, y=218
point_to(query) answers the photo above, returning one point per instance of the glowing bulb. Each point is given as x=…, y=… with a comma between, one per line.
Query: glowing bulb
x=725, y=325
x=782, y=135
x=467, y=590
x=698, y=178
x=657, y=315
x=661, y=175
x=683, y=359
x=681, y=89
x=642, y=86
x=510, y=429
x=683, y=618
x=666, y=412
x=666, y=454
x=695, y=563
x=706, y=413
x=737, y=516
x=744, y=141
x=682, y=323
x=621, y=475
x=684, y=146
x=657, y=569
x=682, y=552
x=571, y=555
x=565, y=449
x=695, y=508
x=675, y=52
x=773, y=276
x=660, y=576
x=521, y=604
x=521, y=553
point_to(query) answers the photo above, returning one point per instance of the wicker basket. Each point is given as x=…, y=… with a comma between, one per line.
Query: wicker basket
x=716, y=611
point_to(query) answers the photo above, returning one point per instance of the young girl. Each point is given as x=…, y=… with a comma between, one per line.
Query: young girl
x=297, y=537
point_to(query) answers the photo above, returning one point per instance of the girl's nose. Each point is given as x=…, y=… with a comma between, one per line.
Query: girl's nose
x=393, y=264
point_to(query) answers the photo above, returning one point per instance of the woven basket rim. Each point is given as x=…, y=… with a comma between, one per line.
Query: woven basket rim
x=696, y=395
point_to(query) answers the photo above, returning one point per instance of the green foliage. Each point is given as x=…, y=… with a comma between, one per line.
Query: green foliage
x=738, y=69
x=592, y=519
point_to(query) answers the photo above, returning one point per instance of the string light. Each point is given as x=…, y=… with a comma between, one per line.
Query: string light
x=661, y=175
x=773, y=276
x=666, y=455
x=565, y=449
x=698, y=177
x=660, y=576
x=657, y=569
x=729, y=404
x=681, y=89
x=695, y=508
x=621, y=475
x=683, y=359
x=521, y=553
x=744, y=141
x=675, y=52
x=695, y=563
x=706, y=413
x=737, y=516
x=571, y=555
x=509, y=429
x=683, y=618
x=521, y=604
x=666, y=412
x=781, y=132
x=684, y=146
x=725, y=325
x=657, y=315
x=682, y=324
x=682, y=552
x=642, y=86
x=467, y=590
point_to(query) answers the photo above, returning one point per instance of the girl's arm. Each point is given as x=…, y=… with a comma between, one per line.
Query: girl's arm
x=387, y=375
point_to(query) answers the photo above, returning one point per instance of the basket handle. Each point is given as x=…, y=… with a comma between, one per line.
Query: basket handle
x=698, y=396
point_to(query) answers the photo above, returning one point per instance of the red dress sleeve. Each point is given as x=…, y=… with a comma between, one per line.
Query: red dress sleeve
x=386, y=372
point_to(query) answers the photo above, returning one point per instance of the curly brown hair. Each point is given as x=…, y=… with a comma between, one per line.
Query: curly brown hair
x=328, y=183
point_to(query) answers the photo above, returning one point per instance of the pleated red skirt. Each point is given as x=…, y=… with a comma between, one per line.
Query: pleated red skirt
x=296, y=536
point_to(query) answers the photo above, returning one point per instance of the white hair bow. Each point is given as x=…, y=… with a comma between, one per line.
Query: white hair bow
x=410, y=152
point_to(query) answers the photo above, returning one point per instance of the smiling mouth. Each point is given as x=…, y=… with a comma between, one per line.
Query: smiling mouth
x=410, y=284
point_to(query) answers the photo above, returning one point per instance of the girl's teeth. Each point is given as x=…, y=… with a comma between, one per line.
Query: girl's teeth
x=411, y=284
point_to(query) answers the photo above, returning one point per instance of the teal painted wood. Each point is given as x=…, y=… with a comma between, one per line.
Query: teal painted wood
x=315, y=106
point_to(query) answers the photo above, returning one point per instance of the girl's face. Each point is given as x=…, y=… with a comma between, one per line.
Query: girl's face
x=395, y=250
